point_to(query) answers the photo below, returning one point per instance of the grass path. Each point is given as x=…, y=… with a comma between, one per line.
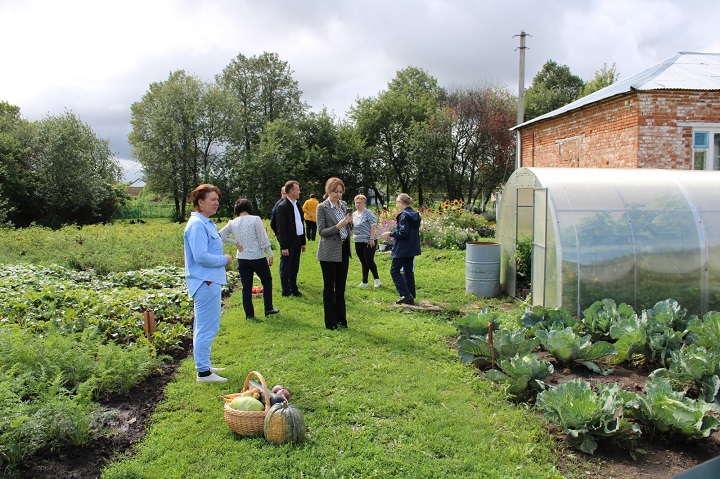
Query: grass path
x=386, y=398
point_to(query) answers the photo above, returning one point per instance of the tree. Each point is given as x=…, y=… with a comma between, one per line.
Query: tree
x=175, y=135
x=603, y=77
x=21, y=205
x=386, y=124
x=263, y=90
x=77, y=175
x=482, y=145
x=553, y=87
x=260, y=90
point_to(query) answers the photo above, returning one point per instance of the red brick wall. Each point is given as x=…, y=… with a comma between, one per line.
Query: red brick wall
x=636, y=130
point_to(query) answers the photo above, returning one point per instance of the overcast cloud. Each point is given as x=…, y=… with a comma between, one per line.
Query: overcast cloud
x=97, y=57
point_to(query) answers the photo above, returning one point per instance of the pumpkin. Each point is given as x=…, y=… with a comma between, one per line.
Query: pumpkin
x=284, y=423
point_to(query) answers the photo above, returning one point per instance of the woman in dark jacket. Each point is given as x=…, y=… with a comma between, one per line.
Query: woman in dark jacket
x=404, y=249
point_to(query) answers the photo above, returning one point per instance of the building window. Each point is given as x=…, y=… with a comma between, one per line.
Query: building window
x=706, y=149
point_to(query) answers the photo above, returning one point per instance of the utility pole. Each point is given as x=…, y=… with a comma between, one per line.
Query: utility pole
x=521, y=94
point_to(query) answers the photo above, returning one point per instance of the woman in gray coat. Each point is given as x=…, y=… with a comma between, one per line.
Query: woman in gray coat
x=334, y=223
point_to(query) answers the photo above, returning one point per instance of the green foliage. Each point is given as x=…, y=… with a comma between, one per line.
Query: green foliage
x=553, y=87
x=602, y=315
x=603, y=77
x=76, y=174
x=586, y=415
x=704, y=332
x=671, y=412
x=567, y=347
x=505, y=343
x=521, y=372
x=101, y=248
x=451, y=230
x=476, y=323
x=539, y=317
x=48, y=382
x=522, y=257
x=697, y=367
x=55, y=171
x=43, y=298
x=652, y=335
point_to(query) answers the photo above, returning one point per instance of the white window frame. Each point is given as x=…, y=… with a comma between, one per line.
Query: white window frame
x=712, y=150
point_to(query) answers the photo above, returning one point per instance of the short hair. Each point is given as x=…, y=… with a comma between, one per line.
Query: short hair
x=312, y=196
x=289, y=185
x=201, y=192
x=333, y=183
x=243, y=205
x=405, y=199
x=360, y=197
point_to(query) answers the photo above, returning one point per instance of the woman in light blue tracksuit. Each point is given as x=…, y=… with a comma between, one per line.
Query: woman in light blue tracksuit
x=205, y=264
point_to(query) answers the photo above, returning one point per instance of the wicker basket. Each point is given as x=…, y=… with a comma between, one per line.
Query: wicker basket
x=247, y=423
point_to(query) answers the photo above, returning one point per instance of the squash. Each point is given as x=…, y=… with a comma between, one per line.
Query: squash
x=284, y=423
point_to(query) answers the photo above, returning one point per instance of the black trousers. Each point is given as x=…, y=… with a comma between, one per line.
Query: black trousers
x=310, y=229
x=366, y=255
x=289, y=267
x=247, y=269
x=334, y=280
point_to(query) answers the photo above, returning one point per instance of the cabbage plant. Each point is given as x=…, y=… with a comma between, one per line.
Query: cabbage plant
x=585, y=415
x=539, y=318
x=476, y=324
x=602, y=315
x=705, y=332
x=521, y=372
x=697, y=366
x=568, y=347
x=506, y=344
x=652, y=335
x=671, y=412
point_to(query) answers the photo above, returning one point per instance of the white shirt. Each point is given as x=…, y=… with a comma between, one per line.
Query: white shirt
x=248, y=231
x=298, y=219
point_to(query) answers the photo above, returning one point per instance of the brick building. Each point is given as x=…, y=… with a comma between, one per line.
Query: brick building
x=667, y=116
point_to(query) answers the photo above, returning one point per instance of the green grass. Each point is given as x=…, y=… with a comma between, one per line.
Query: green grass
x=387, y=397
x=121, y=246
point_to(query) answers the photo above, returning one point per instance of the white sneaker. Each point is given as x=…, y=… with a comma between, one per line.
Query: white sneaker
x=213, y=378
x=216, y=370
x=377, y=283
x=362, y=285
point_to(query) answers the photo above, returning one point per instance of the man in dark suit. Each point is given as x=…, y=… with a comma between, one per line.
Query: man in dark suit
x=273, y=214
x=291, y=237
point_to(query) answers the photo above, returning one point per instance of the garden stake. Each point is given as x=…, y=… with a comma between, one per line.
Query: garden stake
x=492, y=349
x=149, y=319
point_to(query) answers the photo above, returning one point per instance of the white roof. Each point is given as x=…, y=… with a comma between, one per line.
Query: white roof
x=684, y=71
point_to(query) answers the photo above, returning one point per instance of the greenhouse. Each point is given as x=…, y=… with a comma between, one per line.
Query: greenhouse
x=636, y=236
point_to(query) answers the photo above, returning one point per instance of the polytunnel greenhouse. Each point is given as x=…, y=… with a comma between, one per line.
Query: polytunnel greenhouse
x=636, y=236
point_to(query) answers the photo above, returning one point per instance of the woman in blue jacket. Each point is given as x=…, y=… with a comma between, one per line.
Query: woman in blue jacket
x=205, y=263
x=404, y=249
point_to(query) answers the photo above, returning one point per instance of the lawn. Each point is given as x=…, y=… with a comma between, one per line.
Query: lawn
x=387, y=397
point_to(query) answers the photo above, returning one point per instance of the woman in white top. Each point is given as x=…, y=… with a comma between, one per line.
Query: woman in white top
x=254, y=255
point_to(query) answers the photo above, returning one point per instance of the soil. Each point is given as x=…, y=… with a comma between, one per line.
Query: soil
x=128, y=414
x=125, y=416
x=663, y=459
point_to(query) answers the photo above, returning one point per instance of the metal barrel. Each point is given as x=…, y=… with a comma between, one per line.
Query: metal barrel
x=482, y=269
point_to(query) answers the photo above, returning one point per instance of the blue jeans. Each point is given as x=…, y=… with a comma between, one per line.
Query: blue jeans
x=207, y=305
x=405, y=281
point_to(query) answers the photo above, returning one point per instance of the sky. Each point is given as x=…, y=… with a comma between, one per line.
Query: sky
x=96, y=58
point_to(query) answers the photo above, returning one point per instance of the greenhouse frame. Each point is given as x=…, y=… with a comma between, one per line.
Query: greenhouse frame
x=636, y=236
